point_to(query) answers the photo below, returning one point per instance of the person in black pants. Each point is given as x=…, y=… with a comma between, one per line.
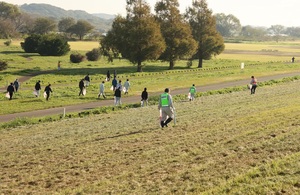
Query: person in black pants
x=253, y=83
x=48, y=90
x=11, y=90
x=81, y=87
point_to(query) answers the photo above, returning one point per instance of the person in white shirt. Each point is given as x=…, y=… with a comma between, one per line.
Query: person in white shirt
x=102, y=87
x=126, y=86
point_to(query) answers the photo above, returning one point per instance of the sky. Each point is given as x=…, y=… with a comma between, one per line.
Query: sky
x=249, y=12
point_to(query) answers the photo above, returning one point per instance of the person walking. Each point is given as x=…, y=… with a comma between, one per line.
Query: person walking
x=102, y=87
x=87, y=80
x=192, y=92
x=126, y=86
x=37, y=88
x=58, y=65
x=118, y=97
x=108, y=76
x=293, y=59
x=144, y=97
x=119, y=85
x=165, y=105
x=253, y=84
x=10, y=89
x=114, y=83
x=17, y=85
x=48, y=90
x=81, y=87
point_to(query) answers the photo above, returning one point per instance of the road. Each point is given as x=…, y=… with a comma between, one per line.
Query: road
x=135, y=99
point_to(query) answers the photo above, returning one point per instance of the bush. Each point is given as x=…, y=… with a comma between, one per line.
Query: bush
x=53, y=45
x=31, y=43
x=76, y=58
x=46, y=45
x=3, y=65
x=93, y=55
x=7, y=43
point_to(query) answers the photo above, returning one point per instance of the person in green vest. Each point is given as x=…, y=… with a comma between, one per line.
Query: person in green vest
x=165, y=105
x=192, y=92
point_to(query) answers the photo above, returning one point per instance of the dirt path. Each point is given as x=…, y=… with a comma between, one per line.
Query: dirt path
x=134, y=99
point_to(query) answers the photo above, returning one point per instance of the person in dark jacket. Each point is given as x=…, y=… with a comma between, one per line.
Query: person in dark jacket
x=81, y=87
x=144, y=97
x=37, y=88
x=118, y=97
x=87, y=80
x=114, y=83
x=11, y=90
x=108, y=76
x=16, y=84
x=48, y=90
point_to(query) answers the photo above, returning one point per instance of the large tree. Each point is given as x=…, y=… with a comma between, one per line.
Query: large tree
x=137, y=36
x=176, y=32
x=204, y=31
x=8, y=14
x=65, y=23
x=81, y=28
x=228, y=25
x=43, y=26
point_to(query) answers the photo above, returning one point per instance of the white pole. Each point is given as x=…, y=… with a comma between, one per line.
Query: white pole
x=242, y=65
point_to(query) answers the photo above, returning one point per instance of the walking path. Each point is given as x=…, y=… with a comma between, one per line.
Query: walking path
x=135, y=99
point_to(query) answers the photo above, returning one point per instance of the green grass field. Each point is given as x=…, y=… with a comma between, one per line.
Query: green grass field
x=155, y=77
x=233, y=143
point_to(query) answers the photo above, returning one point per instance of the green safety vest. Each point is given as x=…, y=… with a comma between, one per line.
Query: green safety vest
x=164, y=100
x=192, y=89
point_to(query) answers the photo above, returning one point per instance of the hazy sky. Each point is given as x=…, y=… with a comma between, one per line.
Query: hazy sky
x=249, y=12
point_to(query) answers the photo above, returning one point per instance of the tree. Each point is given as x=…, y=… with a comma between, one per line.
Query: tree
x=43, y=26
x=254, y=33
x=8, y=14
x=293, y=31
x=277, y=31
x=80, y=29
x=177, y=34
x=228, y=25
x=137, y=37
x=203, y=25
x=65, y=23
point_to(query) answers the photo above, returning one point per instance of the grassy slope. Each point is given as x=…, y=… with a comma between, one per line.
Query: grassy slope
x=234, y=143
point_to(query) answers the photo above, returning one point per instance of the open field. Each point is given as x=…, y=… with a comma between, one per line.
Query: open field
x=233, y=143
x=155, y=77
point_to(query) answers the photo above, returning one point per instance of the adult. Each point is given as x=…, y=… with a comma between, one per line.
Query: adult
x=126, y=86
x=17, y=85
x=115, y=73
x=293, y=59
x=253, y=84
x=81, y=87
x=165, y=105
x=10, y=89
x=108, y=76
x=119, y=85
x=48, y=90
x=87, y=80
x=192, y=92
x=144, y=97
x=37, y=88
x=102, y=87
x=58, y=65
x=118, y=97
x=114, y=83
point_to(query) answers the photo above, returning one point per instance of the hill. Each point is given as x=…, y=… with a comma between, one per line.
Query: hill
x=233, y=143
x=102, y=22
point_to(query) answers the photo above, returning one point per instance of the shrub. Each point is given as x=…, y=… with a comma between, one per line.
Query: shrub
x=3, y=65
x=31, y=43
x=53, y=45
x=93, y=55
x=76, y=58
x=7, y=43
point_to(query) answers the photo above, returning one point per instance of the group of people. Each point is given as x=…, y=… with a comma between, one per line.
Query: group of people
x=38, y=88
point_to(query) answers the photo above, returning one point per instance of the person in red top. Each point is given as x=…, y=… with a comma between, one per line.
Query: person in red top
x=253, y=82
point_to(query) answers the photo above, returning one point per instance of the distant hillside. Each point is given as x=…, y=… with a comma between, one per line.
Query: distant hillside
x=102, y=22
